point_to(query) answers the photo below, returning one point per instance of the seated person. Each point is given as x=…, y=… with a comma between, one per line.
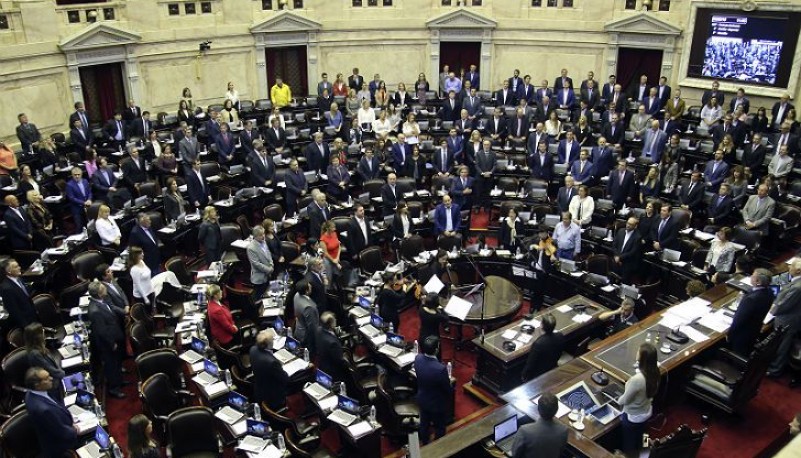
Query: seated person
x=621, y=318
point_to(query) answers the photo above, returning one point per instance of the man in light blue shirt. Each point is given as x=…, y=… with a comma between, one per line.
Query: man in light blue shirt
x=567, y=237
x=452, y=83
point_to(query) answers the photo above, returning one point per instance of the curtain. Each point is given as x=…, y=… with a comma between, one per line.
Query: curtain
x=632, y=63
x=290, y=64
x=103, y=90
x=458, y=56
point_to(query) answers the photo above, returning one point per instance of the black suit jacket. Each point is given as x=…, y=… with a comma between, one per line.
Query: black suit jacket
x=397, y=226
x=106, y=324
x=389, y=200
x=129, y=115
x=720, y=211
x=317, y=217
x=137, y=127
x=356, y=240
x=543, y=355
x=541, y=169
x=620, y=191
x=313, y=159
x=747, y=322
x=133, y=175
x=630, y=253
x=669, y=238
x=365, y=172
x=260, y=173
x=197, y=189
x=558, y=84
x=448, y=113
x=19, y=228
x=27, y=135
x=18, y=303
x=101, y=183
x=330, y=358
x=694, y=199
x=111, y=129
x=563, y=197
x=275, y=140
x=507, y=99
x=270, y=380
x=754, y=157
x=53, y=425
x=81, y=142
x=433, y=385
x=149, y=247
x=617, y=136
x=318, y=295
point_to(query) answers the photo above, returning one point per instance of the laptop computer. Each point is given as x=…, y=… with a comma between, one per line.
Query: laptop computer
x=73, y=382
x=102, y=438
x=598, y=232
x=346, y=412
x=629, y=291
x=504, y=434
x=394, y=346
x=238, y=401
x=567, y=266
x=538, y=193
x=258, y=428
x=597, y=279
x=311, y=177
x=236, y=169
x=278, y=326
x=84, y=399
x=669, y=255
x=323, y=383
x=197, y=348
x=552, y=220
x=210, y=374
x=291, y=344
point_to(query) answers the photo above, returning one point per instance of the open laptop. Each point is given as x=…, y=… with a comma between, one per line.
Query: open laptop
x=538, y=193
x=567, y=266
x=629, y=291
x=197, y=348
x=395, y=345
x=323, y=383
x=235, y=410
x=97, y=448
x=346, y=412
x=598, y=232
x=504, y=434
x=85, y=399
x=669, y=255
x=210, y=374
x=256, y=435
x=73, y=382
x=278, y=326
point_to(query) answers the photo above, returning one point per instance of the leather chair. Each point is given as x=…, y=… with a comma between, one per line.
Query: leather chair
x=440, y=182
x=18, y=437
x=160, y=400
x=209, y=169
x=397, y=418
x=411, y=247
x=14, y=366
x=140, y=313
x=599, y=264
x=415, y=208
x=151, y=189
x=241, y=299
x=449, y=243
x=230, y=232
x=141, y=340
x=244, y=225
x=295, y=445
x=289, y=250
x=71, y=296
x=161, y=361
x=370, y=260
x=156, y=223
x=223, y=192
x=507, y=205
x=232, y=357
x=729, y=380
x=85, y=264
x=508, y=184
x=15, y=338
x=170, y=302
x=49, y=315
x=307, y=432
x=698, y=259
x=177, y=265
x=373, y=187
x=243, y=382
x=687, y=247
x=274, y=212
x=405, y=184
x=684, y=442
x=192, y=433
x=750, y=239
x=648, y=295
x=682, y=217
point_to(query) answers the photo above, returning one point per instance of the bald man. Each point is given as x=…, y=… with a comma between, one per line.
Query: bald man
x=269, y=379
x=18, y=223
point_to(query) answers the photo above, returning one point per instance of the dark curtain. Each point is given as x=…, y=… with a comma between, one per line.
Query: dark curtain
x=459, y=55
x=631, y=63
x=290, y=64
x=103, y=90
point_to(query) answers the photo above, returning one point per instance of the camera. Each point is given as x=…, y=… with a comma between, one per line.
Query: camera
x=205, y=46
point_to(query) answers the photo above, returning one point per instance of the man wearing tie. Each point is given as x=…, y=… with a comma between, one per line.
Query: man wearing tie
x=276, y=136
x=462, y=188
x=603, y=158
x=473, y=76
x=79, y=195
x=740, y=100
x=50, y=419
x=188, y=149
x=653, y=143
x=692, y=196
x=80, y=115
x=665, y=234
x=317, y=154
x=450, y=108
x=674, y=108
x=614, y=131
x=758, y=210
x=663, y=91
x=780, y=110
x=108, y=337
x=754, y=157
x=296, y=187
x=134, y=171
x=360, y=234
x=442, y=159
x=246, y=137
x=608, y=89
x=114, y=292
x=16, y=297
x=719, y=209
x=262, y=167
x=582, y=170
x=131, y=113
x=81, y=140
x=486, y=162
x=505, y=96
x=447, y=220
x=590, y=96
x=197, y=187
x=568, y=150
x=626, y=250
x=562, y=81
x=620, y=187
x=652, y=102
x=518, y=127
x=18, y=224
x=369, y=167
x=338, y=179
x=389, y=195
x=540, y=162
x=27, y=133
x=456, y=147
x=261, y=262
x=400, y=151
x=142, y=236
x=565, y=194
x=715, y=172
x=115, y=132
x=526, y=90
x=787, y=138
x=355, y=80
x=472, y=104
x=141, y=127
x=226, y=147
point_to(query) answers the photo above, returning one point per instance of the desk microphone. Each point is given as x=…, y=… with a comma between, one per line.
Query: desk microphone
x=600, y=377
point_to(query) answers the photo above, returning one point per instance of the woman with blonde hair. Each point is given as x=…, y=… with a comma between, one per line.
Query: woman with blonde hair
x=210, y=236
x=107, y=228
x=41, y=220
x=221, y=322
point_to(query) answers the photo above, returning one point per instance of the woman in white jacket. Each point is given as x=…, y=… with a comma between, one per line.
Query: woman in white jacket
x=582, y=206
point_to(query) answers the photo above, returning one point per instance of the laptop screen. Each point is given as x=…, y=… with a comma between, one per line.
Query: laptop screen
x=257, y=428
x=237, y=401
x=324, y=379
x=278, y=325
x=364, y=302
x=291, y=344
x=198, y=345
x=102, y=438
x=376, y=321
x=76, y=340
x=85, y=399
x=505, y=428
x=348, y=404
x=211, y=368
x=396, y=340
x=73, y=382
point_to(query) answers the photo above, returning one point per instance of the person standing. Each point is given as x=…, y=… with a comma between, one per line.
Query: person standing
x=545, y=351
x=209, y=235
x=307, y=318
x=261, y=262
x=269, y=379
x=51, y=420
x=39, y=356
x=747, y=322
x=787, y=312
x=434, y=389
x=108, y=336
x=545, y=438
x=637, y=398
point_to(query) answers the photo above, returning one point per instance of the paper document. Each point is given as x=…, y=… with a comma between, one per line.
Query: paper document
x=561, y=411
x=564, y=308
x=405, y=358
x=717, y=321
x=694, y=334
x=509, y=334
x=295, y=366
x=434, y=285
x=582, y=318
x=359, y=429
x=523, y=338
x=532, y=322
x=458, y=307
x=672, y=321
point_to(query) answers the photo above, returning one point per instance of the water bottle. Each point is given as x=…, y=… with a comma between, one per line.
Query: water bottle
x=228, y=380
x=306, y=354
x=416, y=348
x=183, y=380
x=280, y=442
x=84, y=351
x=350, y=200
x=391, y=327
x=99, y=413
x=534, y=218
x=372, y=414
x=88, y=383
x=256, y=411
x=450, y=369
x=342, y=389
x=289, y=331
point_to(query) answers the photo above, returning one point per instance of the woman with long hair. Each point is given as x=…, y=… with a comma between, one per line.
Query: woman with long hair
x=26, y=182
x=39, y=356
x=382, y=95
x=650, y=184
x=140, y=276
x=738, y=185
x=271, y=239
x=759, y=125
x=140, y=442
x=210, y=236
x=421, y=86
x=221, y=322
x=636, y=400
x=174, y=202
x=41, y=220
x=720, y=257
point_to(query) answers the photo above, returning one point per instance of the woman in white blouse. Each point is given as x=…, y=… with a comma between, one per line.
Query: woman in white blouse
x=276, y=113
x=382, y=126
x=711, y=114
x=411, y=130
x=366, y=115
x=364, y=93
x=394, y=117
x=553, y=126
x=721, y=252
x=107, y=228
x=581, y=207
x=154, y=144
x=140, y=276
x=232, y=95
x=402, y=224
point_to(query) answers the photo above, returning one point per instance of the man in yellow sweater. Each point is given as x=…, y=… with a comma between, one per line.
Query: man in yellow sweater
x=280, y=94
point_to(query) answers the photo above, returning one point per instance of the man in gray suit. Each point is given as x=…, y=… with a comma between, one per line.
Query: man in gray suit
x=307, y=318
x=787, y=312
x=261, y=262
x=546, y=437
x=115, y=294
x=639, y=122
x=188, y=148
x=758, y=211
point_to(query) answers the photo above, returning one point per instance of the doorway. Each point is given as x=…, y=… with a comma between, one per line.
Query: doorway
x=103, y=90
x=460, y=55
x=634, y=62
x=290, y=64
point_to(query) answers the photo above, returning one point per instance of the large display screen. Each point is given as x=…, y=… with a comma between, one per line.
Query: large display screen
x=752, y=48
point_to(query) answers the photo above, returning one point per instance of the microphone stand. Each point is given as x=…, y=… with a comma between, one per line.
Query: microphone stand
x=486, y=285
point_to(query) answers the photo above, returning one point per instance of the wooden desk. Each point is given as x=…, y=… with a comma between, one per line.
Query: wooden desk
x=500, y=370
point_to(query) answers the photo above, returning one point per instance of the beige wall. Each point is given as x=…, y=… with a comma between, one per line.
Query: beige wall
x=394, y=41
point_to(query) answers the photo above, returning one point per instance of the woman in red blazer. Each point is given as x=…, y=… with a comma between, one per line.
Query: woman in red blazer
x=221, y=322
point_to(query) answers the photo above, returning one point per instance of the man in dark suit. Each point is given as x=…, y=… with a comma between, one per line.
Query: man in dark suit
x=131, y=112
x=212, y=127
x=369, y=167
x=540, y=163
x=442, y=159
x=226, y=146
x=262, y=167
x=754, y=157
x=515, y=81
x=465, y=125
x=472, y=104
x=614, y=130
x=52, y=422
x=114, y=292
x=447, y=220
x=81, y=115
x=450, y=108
x=652, y=103
x=485, y=161
x=389, y=195
x=663, y=91
x=720, y=207
x=115, y=132
x=188, y=149
x=296, y=187
x=562, y=81
x=591, y=96
x=626, y=250
x=197, y=187
x=16, y=296
x=434, y=389
x=544, y=109
x=330, y=357
x=621, y=185
x=269, y=379
x=79, y=195
x=18, y=224
x=496, y=127
x=318, y=213
x=545, y=438
x=360, y=234
x=144, y=237
x=517, y=127
x=505, y=96
x=105, y=184
x=565, y=193
x=27, y=133
x=317, y=154
x=545, y=351
x=473, y=77
x=714, y=92
x=568, y=149
x=461, y=189
x=543, y=91
x=603, y=158
x=640, y=91
x=665, y=233
x=81, y=139
x=355, y=80
x=134, y=171
x=692, y=196
x=715, y=172
x=526, y=91
x=779, y=111
x=246, y=137
x=740, y=100
x=787, y=313
x=276, y=136
x=108, y=337
x=747, y=322
x=141, y=127
x=318, y=284
x=608, y=89
x=400, y=152
x=720, y=130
